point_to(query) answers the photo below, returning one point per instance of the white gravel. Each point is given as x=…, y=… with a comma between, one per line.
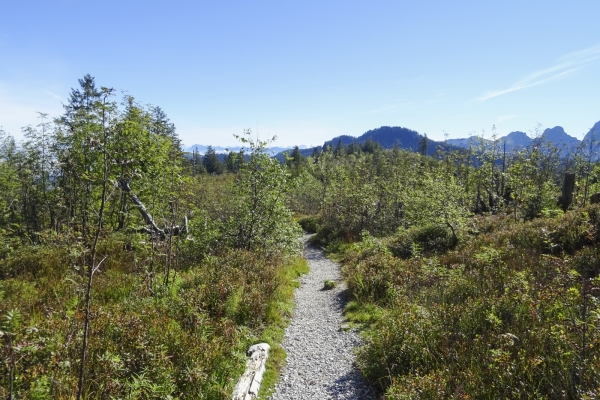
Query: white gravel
x=320, y=355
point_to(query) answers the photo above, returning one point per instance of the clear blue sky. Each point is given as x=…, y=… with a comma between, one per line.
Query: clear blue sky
x=307, y=71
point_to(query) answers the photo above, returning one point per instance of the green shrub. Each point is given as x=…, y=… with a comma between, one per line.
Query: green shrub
x=407, y=243
x=506, y=314
x=310, y=224
x=37, y=261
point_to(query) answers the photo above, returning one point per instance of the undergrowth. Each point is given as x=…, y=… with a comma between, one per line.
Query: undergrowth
x=512, y=311
x=183, y=340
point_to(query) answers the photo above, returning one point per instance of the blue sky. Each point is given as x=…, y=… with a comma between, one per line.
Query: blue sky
x=308, y=71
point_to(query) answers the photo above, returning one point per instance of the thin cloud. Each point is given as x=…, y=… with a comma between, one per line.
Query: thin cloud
x=564, y=65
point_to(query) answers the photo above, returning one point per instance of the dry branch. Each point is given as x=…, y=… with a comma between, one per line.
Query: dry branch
x=153, y=229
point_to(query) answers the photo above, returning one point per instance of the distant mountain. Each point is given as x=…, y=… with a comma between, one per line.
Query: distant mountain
x=408, y=139
x=594, y=133
x=559, y=138
x=404, y=138
x=516, y=140
x=386, y=136
x=464, y=142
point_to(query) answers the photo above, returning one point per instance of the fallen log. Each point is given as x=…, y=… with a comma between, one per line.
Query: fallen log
x=249, y=383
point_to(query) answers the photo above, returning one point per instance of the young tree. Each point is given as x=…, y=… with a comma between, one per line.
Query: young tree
x=339, y=149
x=162, y=126
x=196, y=161
x=82, y=99
x=262, y=223
x=94, y=264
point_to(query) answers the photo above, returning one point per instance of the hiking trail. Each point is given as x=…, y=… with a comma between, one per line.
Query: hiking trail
x=320, y=355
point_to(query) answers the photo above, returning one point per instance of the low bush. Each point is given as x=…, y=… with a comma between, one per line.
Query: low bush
x=186, y=340
x=310, y=224
x=408, y=243
x=509, y=313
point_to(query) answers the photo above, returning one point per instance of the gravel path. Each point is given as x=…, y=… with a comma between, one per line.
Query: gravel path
x=319, y=354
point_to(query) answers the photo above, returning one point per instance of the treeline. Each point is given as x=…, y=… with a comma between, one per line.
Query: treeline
x=126, y=274
x=211, y=163
x=471, y=273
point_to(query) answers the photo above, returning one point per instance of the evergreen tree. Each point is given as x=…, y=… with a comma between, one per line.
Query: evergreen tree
x=197, y=164
x=315, y=154
x=339, y=149
x=82, y=99
x=211, y=161
x=370, y=146
x=353, y=148
x=240, y=160
x=161, y=125
x=423, y=145
x=295, y=161
x=231, y=163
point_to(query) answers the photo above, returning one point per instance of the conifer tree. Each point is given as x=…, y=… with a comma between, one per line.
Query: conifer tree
x=211, y=161
x=423, y=145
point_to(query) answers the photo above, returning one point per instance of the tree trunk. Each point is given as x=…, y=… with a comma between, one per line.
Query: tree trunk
x=567, y=191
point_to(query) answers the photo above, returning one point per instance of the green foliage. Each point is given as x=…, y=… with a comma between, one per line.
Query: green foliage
x=261, y=221
x=309, y=224
x=214, y=310
x=212, y=291
x=328, y=284
x=510, y=313
x=533, y=181
x=500, y=304
x=211, y=162
x=407, y=243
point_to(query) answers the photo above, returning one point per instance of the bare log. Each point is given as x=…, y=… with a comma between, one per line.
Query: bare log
x=249, y=383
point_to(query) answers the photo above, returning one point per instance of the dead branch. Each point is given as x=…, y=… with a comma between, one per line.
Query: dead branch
x=153, y=229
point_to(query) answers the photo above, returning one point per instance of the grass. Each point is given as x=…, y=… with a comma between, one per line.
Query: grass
x=329, y=284
x=278, y=321
x=215, y=310
x=361, y=315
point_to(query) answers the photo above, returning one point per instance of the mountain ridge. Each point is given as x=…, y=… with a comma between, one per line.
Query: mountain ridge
x=408, y=139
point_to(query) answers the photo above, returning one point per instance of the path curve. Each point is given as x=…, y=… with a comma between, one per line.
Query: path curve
x=320, y=356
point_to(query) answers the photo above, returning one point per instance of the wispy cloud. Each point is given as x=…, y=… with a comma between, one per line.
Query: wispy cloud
x=564, y=65
x=55, y=96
